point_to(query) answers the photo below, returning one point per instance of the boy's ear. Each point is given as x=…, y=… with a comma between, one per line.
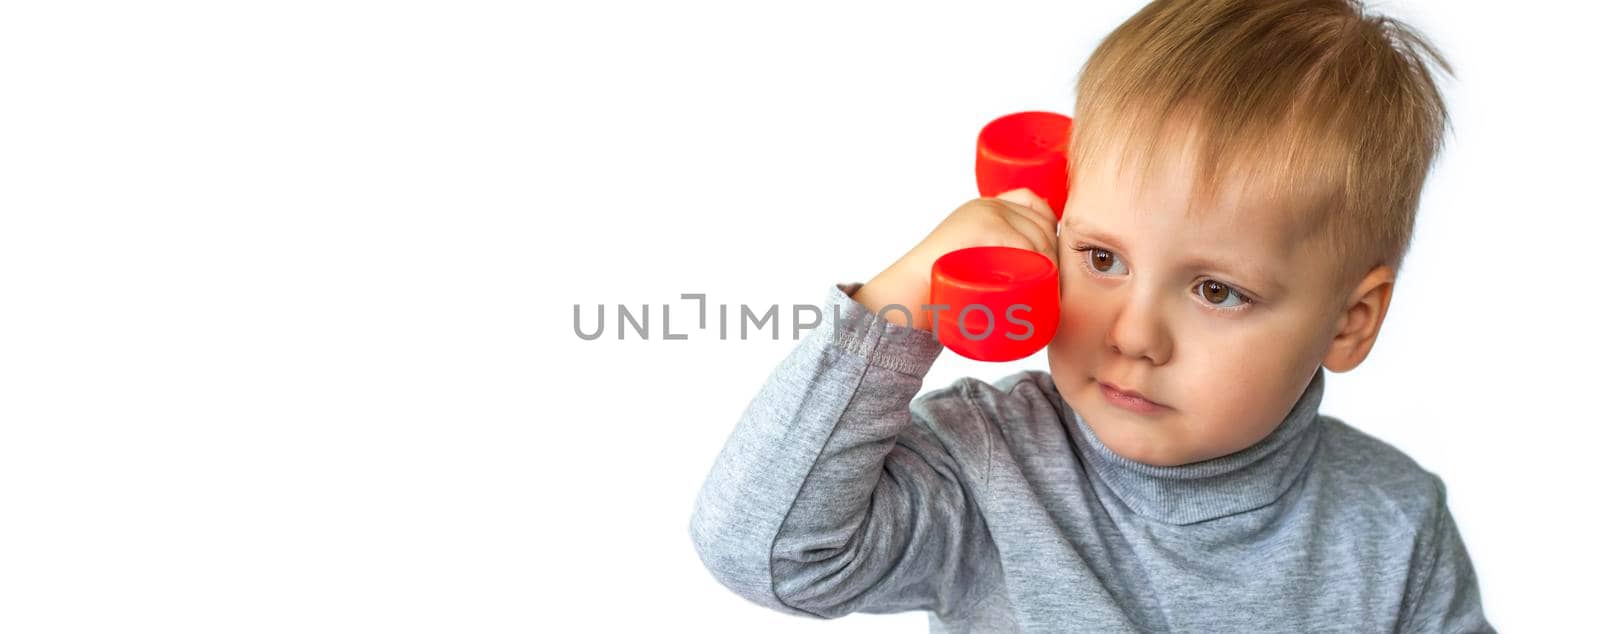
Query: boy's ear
x=1360, y=319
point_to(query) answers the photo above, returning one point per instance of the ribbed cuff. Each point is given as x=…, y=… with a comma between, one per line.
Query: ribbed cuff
x=849, y=325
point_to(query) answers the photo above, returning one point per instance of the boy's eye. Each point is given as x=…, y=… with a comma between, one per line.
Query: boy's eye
x=1216, y=293
x=1104, y=261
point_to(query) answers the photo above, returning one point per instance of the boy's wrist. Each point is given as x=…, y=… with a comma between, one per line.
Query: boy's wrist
x=892, y=288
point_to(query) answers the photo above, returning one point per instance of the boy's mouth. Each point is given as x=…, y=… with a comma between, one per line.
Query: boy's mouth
x=1130, y=400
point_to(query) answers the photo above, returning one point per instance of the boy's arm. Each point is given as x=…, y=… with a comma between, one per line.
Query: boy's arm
x=1442, y=592
x=828, y=498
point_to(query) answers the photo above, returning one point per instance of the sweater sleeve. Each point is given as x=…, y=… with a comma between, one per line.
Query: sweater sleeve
x=1442, y=593
x=828, y=498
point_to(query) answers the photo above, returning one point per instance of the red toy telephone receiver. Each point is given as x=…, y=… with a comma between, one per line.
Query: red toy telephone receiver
x=1004, y=303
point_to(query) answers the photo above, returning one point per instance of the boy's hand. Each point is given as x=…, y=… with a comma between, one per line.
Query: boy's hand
x=1017, y=218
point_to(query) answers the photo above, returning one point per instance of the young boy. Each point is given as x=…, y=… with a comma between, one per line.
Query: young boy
x=1244, y=178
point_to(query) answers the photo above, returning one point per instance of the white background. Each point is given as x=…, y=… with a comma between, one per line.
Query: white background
x=287, y=289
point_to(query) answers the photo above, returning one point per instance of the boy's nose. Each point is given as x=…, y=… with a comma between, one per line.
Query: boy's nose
x=1137, y=331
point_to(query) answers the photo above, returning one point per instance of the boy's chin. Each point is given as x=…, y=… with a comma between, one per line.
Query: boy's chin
x=1127, y=436
x=1147, y=451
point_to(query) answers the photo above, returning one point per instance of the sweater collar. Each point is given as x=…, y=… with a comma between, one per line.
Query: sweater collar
x=1245, y=480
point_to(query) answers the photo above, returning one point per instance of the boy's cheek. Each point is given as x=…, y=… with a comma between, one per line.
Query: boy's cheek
x=1070, y=344
x=1076, y=318
x=1064, y=330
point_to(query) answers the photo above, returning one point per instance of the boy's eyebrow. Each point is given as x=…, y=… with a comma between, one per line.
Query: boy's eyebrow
x=1075, y=225
x=1253, y=275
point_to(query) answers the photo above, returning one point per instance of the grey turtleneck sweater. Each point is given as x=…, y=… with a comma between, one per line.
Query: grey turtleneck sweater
x=994, y=508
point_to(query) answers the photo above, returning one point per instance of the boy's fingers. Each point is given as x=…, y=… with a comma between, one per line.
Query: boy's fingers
x=1042, y=224
x=1037, y=236
x=1044, y=218
x=1031, y=204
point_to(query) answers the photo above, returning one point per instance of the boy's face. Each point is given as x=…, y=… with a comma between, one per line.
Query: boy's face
x=1219, y=320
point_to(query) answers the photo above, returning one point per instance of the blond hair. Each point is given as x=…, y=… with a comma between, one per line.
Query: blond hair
x=1332, y=110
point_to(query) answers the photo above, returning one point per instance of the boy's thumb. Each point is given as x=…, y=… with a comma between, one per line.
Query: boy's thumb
x=1025, y=197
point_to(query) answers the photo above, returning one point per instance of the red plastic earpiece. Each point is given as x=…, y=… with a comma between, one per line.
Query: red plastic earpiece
x=1026, y=149
x=1004, y=303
